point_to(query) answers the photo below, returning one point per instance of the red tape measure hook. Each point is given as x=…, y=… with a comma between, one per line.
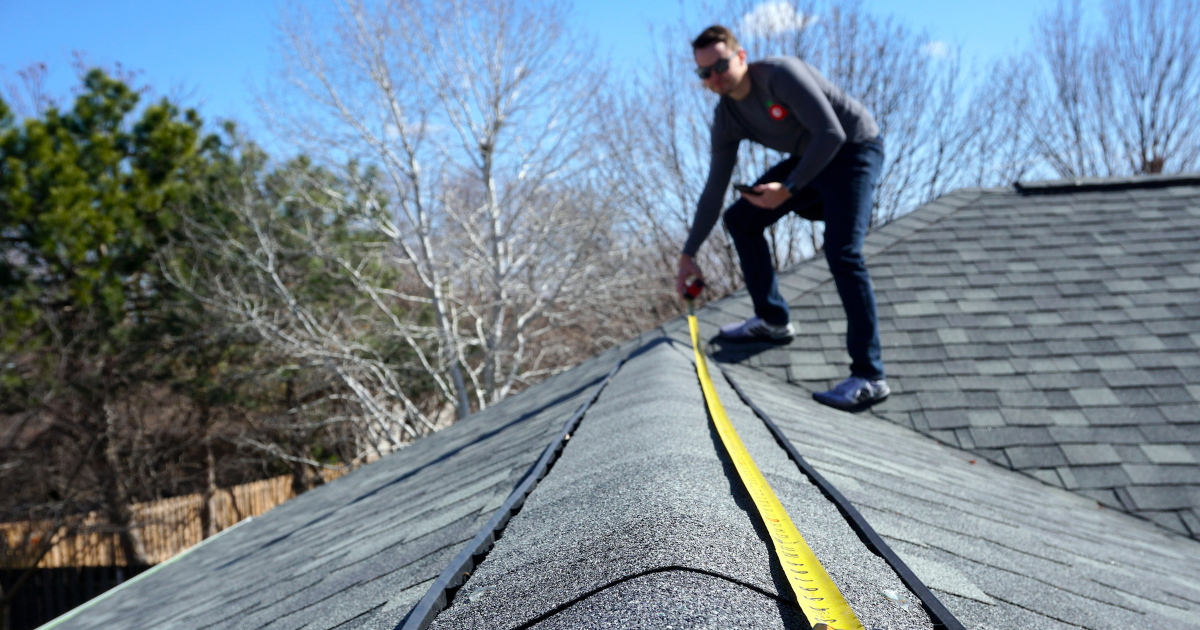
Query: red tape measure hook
x=693, y=290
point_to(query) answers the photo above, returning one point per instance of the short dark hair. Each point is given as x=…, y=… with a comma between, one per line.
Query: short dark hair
x=713, y=34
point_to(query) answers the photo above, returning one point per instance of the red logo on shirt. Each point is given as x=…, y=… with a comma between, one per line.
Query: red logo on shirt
x=776, y=112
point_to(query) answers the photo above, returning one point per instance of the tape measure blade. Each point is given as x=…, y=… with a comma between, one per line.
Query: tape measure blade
x=817, y=595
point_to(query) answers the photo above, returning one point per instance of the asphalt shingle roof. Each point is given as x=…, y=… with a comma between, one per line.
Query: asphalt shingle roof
x=999, y=549
x=1046, y=333
x=1054, y=331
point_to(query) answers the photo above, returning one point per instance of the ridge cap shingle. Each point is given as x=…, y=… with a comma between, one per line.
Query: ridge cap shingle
x=1088, y=184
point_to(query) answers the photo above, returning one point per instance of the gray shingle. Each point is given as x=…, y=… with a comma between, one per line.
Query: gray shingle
x=1163, y=497
x=1011, y=436
x=1023, y=457
x=1146, y=474
x=1099, y=476
x=1043, y=365
x=951, y=419
x=1173, y=433
x=995, y=367
x=1089, y=454
x=1107, y=435
x=1169, y=520
x=994, y=382
x=953, y=335
x=1168, y=454
x=1136, y=396
x=942, y=400
x=1095, y=397
x=1108, y=416
x=1032, y=399
x=1131, y=454
x=1068, y=380
x=1172, y=395
x=1027, y=417
x=1181, y=413
x=1145, y=343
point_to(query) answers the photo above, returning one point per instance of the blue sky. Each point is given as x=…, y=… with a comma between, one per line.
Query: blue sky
x=218, y=51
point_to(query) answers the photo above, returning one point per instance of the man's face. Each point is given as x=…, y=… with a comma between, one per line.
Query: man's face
x=722, y=83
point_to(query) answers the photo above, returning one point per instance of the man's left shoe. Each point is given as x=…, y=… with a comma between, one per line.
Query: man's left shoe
x=854, y=394
x=755, y=329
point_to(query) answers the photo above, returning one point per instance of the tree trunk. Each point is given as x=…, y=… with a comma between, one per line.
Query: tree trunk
x=207, y=527
x=116, y=502
x=304, y=478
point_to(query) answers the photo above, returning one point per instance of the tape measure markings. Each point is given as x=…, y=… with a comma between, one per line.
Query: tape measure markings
x=815, y=591
x=941, y=617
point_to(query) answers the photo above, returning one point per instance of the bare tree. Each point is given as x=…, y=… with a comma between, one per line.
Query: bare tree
x=1154, y=52
x=528, y=214
x=29, y=97
x=999, y=147
x=474, y=123
x=1118, y=100
x=1068, y=116
x=277, y=259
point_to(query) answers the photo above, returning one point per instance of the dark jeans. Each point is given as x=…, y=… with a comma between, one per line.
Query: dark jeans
x=841, y=196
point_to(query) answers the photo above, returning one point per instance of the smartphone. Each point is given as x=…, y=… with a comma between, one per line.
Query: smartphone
x=745, y=189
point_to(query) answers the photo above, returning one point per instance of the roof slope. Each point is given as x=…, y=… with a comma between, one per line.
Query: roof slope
x=1057, y=334
x=999, y=549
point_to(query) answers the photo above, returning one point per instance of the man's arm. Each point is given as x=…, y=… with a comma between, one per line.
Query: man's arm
x=795, y=86
x=708, y=208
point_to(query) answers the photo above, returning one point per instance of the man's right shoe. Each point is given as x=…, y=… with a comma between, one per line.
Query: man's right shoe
x=755, y=329
x=854, y=394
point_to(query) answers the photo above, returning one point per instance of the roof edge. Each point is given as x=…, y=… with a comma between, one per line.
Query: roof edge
x=1088, y=184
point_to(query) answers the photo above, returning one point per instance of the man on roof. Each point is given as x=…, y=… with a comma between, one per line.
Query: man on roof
x=836, y=154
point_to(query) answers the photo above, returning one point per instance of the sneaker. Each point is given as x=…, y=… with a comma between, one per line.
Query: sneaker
x=854, y=394
x=755, y=329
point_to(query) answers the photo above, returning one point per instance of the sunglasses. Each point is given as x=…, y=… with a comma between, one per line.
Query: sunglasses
x=717, y=68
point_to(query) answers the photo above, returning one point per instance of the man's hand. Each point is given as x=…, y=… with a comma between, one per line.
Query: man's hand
x=769, y=195
x=687, y=269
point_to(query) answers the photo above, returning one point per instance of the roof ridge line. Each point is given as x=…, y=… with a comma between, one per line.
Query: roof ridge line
x=440, y=593
x=1088, y=184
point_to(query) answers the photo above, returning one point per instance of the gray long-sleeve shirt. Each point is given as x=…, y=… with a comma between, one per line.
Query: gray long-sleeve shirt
x=791, y=108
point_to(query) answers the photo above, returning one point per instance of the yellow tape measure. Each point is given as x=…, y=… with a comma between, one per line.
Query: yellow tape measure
x=816, y=593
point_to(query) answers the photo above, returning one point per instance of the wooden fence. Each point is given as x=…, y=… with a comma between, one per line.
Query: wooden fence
x=161, y=528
